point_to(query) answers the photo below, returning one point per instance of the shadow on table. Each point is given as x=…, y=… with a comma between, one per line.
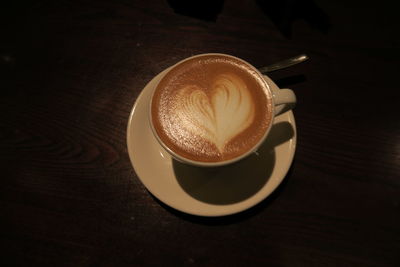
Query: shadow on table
x=232, y=184
x=288, y=81
x=282, y=13
x=207, y=10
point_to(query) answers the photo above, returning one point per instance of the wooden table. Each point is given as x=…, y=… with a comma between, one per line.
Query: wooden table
x=70, y=73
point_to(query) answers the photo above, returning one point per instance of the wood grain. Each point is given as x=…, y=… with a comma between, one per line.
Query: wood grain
x=70, y=73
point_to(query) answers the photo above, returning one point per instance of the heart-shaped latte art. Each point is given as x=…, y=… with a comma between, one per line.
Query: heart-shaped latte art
x=220, y=115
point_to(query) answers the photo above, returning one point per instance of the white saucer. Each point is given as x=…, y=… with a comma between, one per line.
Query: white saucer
x=203, y=191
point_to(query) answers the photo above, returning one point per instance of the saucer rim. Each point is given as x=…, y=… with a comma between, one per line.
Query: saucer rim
x=224, y=210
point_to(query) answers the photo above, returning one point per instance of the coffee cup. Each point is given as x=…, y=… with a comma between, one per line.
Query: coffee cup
x=213, y=109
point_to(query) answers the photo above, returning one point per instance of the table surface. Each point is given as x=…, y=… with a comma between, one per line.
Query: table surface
x=71, y=71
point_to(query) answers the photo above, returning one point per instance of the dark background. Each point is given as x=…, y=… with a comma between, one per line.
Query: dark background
x=70, y=72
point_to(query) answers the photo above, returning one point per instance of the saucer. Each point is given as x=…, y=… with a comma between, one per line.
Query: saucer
x=208, y=191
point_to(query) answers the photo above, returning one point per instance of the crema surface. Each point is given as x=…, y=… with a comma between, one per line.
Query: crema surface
x=211, y=108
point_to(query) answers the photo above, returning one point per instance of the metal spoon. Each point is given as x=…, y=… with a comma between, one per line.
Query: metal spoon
x=284, y=64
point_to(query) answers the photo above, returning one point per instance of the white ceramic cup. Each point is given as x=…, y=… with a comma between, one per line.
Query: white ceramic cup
x=282, y=100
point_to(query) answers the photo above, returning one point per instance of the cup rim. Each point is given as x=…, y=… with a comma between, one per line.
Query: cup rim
x=218, y=163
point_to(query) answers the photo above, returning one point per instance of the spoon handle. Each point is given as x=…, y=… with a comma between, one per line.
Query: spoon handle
x=284, y=64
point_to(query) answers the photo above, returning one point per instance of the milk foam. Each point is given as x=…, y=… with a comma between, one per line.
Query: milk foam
x=211, y=108
x=221, y=115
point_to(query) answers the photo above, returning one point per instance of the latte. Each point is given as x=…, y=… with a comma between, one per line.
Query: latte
x=211, y=108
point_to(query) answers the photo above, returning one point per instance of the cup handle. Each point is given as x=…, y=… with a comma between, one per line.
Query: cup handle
x=284, y=99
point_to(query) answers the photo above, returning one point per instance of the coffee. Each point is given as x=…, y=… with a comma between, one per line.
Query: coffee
x=211, y=108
